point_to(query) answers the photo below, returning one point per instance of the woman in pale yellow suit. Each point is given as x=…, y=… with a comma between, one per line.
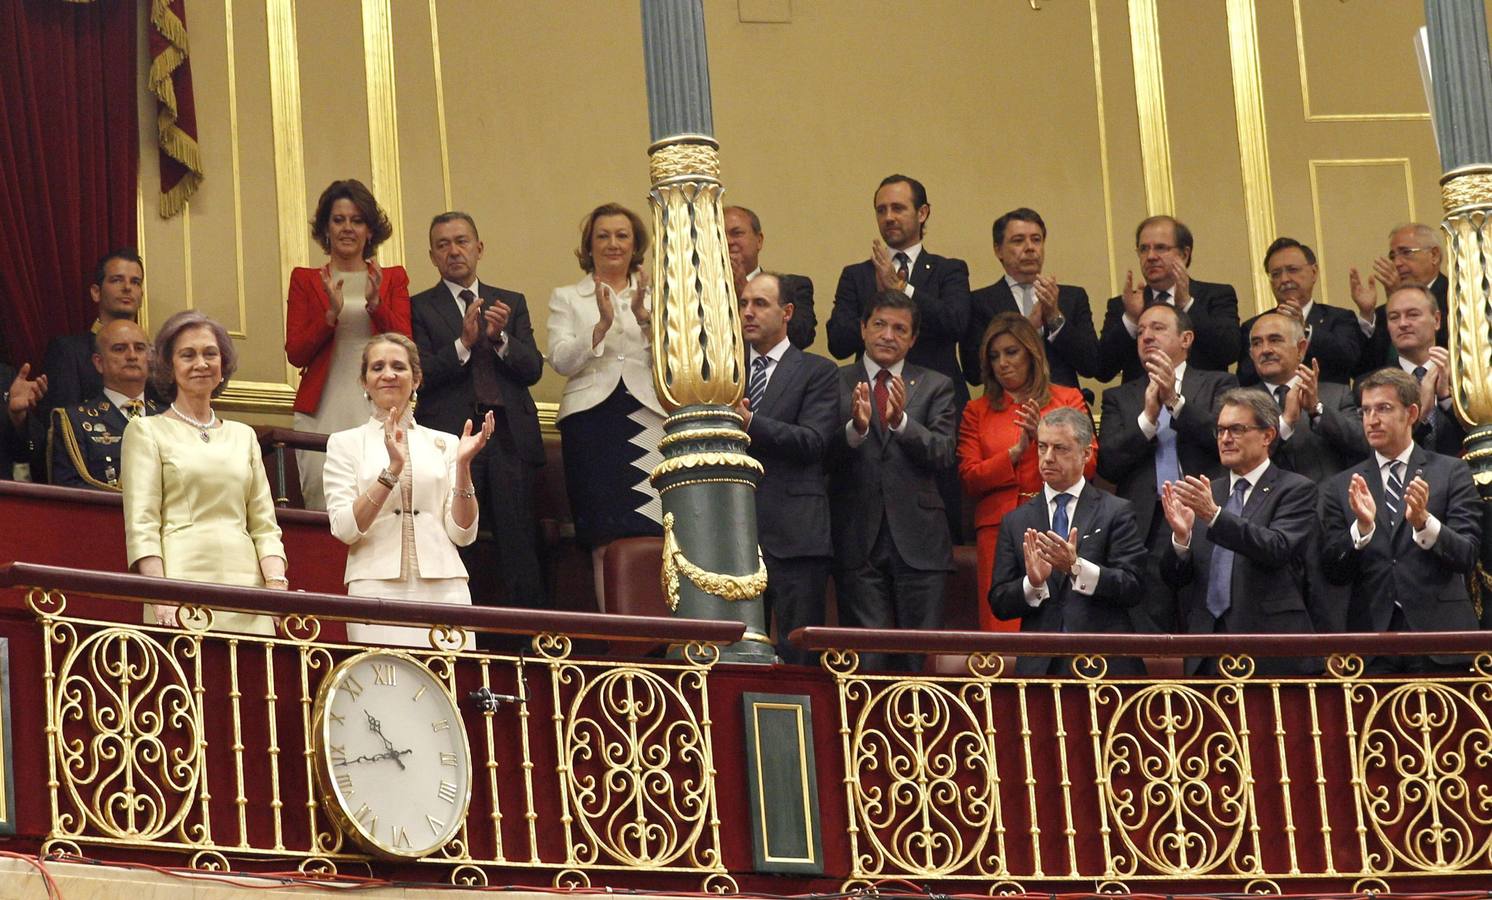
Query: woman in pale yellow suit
x=400, y=495
x=197, y=504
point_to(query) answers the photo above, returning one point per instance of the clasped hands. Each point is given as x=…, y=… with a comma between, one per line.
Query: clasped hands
x=1047, y=552
x=490, y=318
x=1184, y=502
x=887, y=278
x=605, y=306
x=862, y=405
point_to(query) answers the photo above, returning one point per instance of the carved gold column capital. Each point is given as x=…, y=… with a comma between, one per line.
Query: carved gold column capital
x=1466, y=188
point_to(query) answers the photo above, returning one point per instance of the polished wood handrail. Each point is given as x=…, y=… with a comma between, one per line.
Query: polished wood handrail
x=271, y=437
x=500, y=620
x=54, y=494
x=1154, y=645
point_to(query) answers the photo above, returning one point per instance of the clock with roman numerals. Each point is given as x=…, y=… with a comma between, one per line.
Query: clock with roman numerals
x=391, y=755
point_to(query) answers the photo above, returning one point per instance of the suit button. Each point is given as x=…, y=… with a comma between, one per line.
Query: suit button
x=398, y=512
x=416, y=512
x=621, y=359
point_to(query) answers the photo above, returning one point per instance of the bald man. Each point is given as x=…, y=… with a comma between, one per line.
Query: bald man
x=83, y=443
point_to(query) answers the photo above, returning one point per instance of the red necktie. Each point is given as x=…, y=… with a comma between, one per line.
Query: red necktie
x=883, y=395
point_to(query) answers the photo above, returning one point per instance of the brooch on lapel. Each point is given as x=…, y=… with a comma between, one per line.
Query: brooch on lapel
x=440, y=444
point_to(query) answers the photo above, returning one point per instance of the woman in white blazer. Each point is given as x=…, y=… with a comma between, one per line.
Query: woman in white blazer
x=400, y=495
x=610, y=419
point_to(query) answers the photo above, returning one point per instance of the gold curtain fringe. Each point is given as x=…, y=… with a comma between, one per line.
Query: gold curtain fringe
x=173, y=141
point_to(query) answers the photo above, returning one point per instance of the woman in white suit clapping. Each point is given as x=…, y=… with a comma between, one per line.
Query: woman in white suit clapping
x=610, y=420
x=400, y=495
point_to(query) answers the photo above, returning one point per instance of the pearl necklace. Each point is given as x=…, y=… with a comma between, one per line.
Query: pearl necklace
x=202, y=427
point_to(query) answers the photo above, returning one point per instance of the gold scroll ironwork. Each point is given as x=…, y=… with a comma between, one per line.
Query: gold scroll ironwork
x=129, y=712
x=698, y=354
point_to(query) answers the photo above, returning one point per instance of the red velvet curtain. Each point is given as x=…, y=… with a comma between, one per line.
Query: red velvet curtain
x=69, y=160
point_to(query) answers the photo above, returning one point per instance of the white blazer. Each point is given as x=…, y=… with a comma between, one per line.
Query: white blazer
x=353, y=460
x=625, y=354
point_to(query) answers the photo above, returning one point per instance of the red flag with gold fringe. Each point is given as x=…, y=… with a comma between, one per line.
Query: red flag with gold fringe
x=176, y=115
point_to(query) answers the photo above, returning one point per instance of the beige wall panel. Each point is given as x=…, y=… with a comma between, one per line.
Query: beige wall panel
x=1126, y=175
x=334, y=104
x=420, y=171
x=1347, y=195
x=1204, y=141
x=1369, y=128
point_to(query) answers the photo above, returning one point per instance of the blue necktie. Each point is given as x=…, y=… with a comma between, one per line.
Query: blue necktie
x=1167, y=466
x=756, y=390
x=1220, y=574
x=1393, y=492
x=1060, y=523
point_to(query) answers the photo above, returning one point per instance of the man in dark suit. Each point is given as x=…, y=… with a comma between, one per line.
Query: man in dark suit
x=21, y=400
x=478, y=354
x=118, y=289
x=1059, y=311
x=1315, y=438
x=1414, y=257
x=1240, y=546
x=791, y=411
x=744, y=239
x=1334, y=340
x=1156, y=429
x=84, y=440
x=1164, y=246
x=1070, y=558
x=938, y=285
x=1402, y=528
x=892, y=547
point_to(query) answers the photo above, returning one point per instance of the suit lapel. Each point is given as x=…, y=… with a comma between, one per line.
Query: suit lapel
x=1260, y=494
x=445, y=307
x=1005, y=298
x=785, y=370
x=922, y=269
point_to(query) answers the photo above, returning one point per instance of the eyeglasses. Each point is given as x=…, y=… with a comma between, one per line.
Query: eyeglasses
x=1379, y=410
x=1158, y=249
x=1236, y=431
x=1406, y=252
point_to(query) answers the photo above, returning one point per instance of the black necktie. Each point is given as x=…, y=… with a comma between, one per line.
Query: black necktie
x=483, y=361
x=1279, y=395
x=902, y=260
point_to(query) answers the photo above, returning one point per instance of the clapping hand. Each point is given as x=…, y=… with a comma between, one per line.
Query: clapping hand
x=1038, y=568
x=860, y=407
x=1416, y=502
x=393, y=440
x=1364, y=295
x=640, y=309
x=1178, y=515
x=1181, y=291
x=472, y=442
x=1360, y=499
x=1306, y=392
x=743, y=409
x=1027, y=417
x=887, y=278
x=375, y=282
x=25, y=394
x=604, y=308
x=1162, y=374
x=1441, y=358
x=1195, y=493
x=896, y=400
x=1133, y=296
x=1387, y=275
x=333, y=293
x=1060, y=553
x=1044, y=310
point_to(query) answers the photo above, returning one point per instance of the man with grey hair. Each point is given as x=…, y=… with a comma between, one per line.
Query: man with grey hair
x=1320, y=432
x=1240, y=547
x=1414, y=257
x=1069, y=559
x=744, y=240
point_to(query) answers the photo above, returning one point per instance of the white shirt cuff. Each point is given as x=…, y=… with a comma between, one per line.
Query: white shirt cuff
x=1052, y=335
x=1367, y=325
x=1360, y=540
x=502, y=348
x=1286, y=429
x=1085, y=577
x=853, y=437
x=900, y=426
x=1181, y=549
x=907, y=288
x=1035, y=593
x=1130, y=325
x=463, y=352
x=1425, y=537
x=1148, y=426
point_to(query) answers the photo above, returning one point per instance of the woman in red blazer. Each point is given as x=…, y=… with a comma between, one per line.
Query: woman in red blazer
x=326, y=326
x=997, y=438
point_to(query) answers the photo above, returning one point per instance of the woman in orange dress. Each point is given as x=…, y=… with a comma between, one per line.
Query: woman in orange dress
x=997, y=438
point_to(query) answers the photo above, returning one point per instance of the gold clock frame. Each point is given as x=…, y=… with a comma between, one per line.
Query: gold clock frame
x=330, y=796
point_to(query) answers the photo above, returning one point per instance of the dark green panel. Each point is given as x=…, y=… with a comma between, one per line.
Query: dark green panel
x=781, y=784
x=7, y=758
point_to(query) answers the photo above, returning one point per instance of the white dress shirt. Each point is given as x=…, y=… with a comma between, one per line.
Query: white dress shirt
x=120, y=400
x=1084, y=573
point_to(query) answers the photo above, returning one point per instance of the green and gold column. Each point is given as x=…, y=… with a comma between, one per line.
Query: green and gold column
x=1462, y=101
x=712, y=565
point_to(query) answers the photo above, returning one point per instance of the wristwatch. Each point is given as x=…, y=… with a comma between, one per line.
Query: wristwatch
x=387, y=479
x=1055, y=322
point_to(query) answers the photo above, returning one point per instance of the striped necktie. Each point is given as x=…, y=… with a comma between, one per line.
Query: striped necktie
x=756, y=388
x=1393, y=491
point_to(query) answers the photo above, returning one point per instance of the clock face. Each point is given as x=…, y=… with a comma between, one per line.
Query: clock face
x=392, y=755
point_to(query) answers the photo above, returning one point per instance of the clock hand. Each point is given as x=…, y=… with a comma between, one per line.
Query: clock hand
x=388, y=754
x=377, y=728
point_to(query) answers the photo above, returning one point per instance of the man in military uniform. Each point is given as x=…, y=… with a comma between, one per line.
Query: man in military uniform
x=84, y=442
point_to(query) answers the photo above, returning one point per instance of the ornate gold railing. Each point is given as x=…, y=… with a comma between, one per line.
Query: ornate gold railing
x=201, y=743
x=1125, y=783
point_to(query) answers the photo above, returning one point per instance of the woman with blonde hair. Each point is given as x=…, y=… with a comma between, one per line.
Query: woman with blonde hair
x=610, y=419
x=997, y=439
x=400, y=495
